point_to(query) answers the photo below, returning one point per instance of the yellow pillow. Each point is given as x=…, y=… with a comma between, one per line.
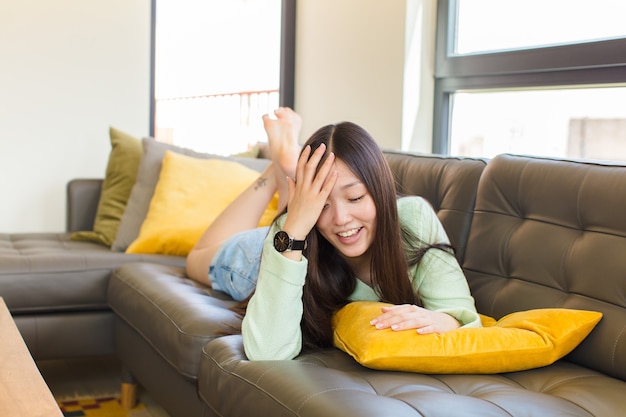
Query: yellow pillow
x=518, y=341
x=189, y=195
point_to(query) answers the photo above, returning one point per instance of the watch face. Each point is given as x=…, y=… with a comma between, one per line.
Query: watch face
x=281, y=241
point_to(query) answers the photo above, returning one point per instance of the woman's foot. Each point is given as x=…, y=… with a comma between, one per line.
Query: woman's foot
x=282, y=133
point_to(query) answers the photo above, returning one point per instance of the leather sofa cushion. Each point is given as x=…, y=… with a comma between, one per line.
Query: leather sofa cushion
x=448, y=183
x=174, y=314
x=48, y=272
x=551, y=233
x=331, y=384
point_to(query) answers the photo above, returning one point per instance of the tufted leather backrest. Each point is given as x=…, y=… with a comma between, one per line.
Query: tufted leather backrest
x=448, y=183
x=552, y=233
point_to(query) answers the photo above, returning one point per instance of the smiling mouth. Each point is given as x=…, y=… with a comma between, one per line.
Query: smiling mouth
x=349, y=233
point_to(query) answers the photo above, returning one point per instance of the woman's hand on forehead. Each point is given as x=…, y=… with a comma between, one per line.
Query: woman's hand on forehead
x=308, y=195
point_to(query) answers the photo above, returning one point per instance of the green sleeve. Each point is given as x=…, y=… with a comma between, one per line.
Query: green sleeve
x=271, y=326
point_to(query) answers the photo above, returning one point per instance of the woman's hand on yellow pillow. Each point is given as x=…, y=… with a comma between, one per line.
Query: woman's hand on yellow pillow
x=406, y=317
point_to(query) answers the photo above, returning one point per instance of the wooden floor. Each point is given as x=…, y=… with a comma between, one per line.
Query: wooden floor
x=89, y=377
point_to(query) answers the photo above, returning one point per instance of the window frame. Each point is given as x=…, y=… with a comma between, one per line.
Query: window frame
x=585, y=64
x=287, y=58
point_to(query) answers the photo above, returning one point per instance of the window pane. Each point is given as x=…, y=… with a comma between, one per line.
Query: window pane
x=491, y=25
x=585, y=123
x=217, y=71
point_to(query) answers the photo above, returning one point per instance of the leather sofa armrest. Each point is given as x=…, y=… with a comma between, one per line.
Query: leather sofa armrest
x=226, y=350
x=83, y=196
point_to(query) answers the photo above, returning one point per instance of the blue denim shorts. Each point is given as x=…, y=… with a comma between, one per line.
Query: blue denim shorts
x=235, y=267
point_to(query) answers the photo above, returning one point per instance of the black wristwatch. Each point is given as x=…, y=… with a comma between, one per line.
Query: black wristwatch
x=283, y=242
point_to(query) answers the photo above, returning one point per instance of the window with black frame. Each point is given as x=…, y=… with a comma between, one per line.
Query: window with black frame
x=531, y=77
x=217, y=67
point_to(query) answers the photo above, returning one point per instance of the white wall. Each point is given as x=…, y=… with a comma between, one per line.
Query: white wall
x=370, y=62
x=349, y=65
x=70, y=69
x=419, y=75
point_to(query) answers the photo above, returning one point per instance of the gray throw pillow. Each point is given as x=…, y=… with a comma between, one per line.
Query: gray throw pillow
x=147, y=178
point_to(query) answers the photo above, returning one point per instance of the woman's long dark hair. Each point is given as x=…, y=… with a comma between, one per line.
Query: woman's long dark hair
x=330, y=281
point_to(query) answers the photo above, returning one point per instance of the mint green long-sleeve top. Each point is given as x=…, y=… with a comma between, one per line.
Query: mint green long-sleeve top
x=271, y=326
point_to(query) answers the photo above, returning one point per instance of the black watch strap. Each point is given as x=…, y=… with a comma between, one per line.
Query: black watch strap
x=283, y=242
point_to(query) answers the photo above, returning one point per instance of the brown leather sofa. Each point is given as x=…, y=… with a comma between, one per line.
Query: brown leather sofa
x=544, y=233
x=56, y=288
x=529, y=232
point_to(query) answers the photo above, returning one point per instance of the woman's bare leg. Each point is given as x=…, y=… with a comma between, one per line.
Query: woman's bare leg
x=247, y=209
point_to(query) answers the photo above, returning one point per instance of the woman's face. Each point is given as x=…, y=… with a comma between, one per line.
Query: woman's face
x=348, y=220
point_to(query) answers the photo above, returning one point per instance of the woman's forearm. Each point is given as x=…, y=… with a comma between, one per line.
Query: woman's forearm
x=271, y=326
